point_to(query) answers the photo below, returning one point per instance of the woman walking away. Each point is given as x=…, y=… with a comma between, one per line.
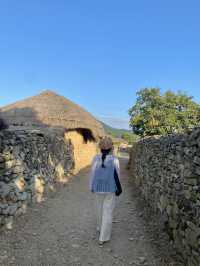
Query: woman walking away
x=104, y=182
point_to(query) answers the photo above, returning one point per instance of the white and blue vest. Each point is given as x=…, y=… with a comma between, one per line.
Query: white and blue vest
x=102, y=179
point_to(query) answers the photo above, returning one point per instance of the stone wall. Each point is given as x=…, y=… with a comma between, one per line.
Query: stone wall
x=167, y=170
x=31, y=162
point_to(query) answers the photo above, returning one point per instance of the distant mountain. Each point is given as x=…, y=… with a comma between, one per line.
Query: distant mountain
x=115, y=132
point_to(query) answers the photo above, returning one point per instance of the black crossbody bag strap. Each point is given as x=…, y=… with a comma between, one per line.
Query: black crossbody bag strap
x=118, y=184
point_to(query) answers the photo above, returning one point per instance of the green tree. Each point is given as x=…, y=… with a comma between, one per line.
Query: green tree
x=129, y=137
x=157, y=114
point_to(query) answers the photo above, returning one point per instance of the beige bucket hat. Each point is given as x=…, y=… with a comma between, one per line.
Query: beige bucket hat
x=106, y=143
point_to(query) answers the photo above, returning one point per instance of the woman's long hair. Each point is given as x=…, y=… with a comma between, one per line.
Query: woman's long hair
x=104, y=152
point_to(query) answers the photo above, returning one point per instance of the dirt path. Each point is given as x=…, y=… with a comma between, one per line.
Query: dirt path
x=61, y=231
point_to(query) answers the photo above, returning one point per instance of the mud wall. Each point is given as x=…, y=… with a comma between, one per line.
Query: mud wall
x=84, y=149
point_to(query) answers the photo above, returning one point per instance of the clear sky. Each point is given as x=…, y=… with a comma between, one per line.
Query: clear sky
x=99, y=53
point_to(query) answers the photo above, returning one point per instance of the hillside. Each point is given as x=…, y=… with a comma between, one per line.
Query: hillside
x=115, y=132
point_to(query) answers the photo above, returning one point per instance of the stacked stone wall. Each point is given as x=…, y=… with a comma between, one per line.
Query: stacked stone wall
x=167, y=171
x=31, y=163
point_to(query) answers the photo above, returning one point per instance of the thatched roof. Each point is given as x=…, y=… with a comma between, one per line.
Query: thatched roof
x=50, y=109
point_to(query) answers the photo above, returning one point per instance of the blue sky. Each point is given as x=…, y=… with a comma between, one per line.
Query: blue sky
x=99, y=53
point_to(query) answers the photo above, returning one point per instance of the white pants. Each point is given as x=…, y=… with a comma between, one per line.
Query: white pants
x=105, y=204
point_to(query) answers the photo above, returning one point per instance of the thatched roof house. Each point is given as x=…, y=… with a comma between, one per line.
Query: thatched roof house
x=51, y=110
